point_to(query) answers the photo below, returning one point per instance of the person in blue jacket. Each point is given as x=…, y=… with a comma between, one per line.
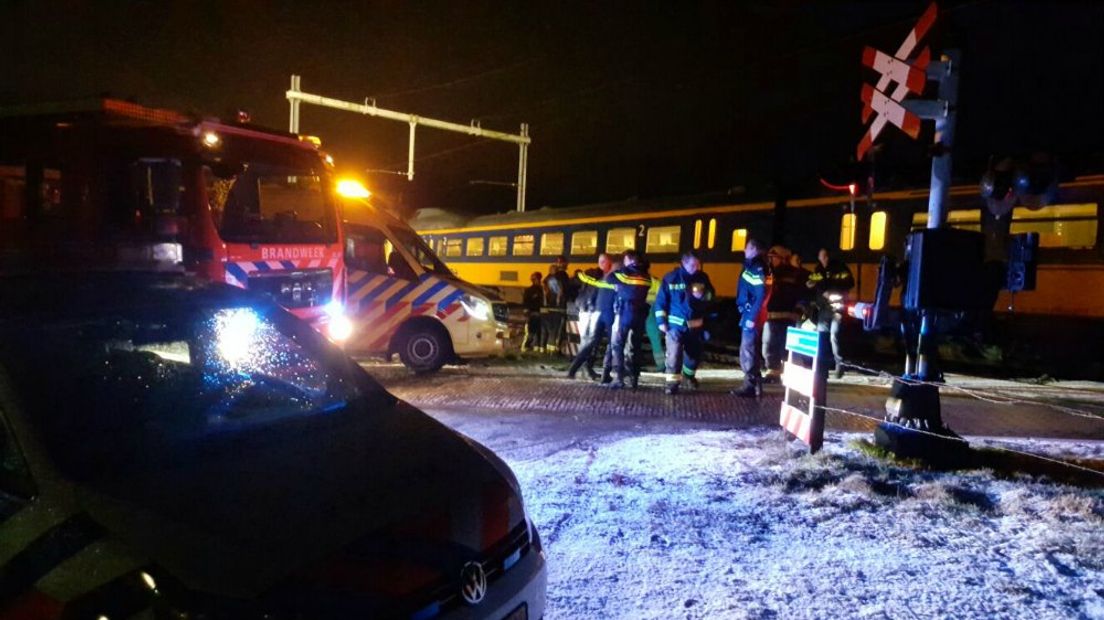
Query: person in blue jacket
x=631, y=308
x=751, y=297
x=680, y=309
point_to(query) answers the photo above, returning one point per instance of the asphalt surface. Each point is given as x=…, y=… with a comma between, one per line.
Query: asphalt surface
x=971, y=406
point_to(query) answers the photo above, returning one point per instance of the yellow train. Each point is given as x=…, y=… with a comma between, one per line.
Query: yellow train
x=501, y=251
x=1064, y=313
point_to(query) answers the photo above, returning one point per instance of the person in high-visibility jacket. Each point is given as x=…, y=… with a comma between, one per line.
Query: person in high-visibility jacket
x=751, y=293
x=628, y=327
x=680, y=309
x=831, y=283
x=595, y=304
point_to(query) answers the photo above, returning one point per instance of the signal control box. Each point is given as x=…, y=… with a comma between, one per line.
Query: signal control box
x=946, y=271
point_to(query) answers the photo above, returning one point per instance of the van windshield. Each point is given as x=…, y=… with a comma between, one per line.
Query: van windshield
x=421, y=252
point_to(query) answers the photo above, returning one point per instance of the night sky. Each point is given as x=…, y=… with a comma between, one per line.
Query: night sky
x=623, y=99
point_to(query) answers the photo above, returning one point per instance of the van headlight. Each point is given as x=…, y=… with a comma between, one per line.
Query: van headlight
x=476, y=307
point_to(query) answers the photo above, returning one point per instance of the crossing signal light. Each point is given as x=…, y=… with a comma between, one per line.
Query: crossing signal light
x=1031, y=182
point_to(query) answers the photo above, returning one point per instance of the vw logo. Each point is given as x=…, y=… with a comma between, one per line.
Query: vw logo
x=473, y=583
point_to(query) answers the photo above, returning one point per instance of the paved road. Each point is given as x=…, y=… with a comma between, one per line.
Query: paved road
x=478, y=388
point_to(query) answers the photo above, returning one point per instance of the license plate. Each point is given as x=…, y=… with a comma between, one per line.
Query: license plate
x=521, y=613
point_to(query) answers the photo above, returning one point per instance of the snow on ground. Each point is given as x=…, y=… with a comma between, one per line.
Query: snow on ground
x=742, y=524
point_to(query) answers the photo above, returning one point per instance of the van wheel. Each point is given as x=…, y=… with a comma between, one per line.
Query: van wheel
x=425, y=349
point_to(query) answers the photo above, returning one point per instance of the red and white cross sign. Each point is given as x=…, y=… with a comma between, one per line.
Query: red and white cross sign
x=909, y=76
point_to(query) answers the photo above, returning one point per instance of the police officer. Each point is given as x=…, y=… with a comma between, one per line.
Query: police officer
x=680, y=309
x=595, y=305
x=831, y=282
x=751, y=292
x=787, y=294
x=632, y=283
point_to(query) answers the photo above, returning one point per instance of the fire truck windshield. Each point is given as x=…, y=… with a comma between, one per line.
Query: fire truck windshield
x=256, y=202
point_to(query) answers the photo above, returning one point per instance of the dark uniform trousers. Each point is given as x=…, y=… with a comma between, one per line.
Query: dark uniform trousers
x=749, y=357
x=628, y=332
x=684, y=353
x=774, y=341
x=829, y=321
x=599, y=328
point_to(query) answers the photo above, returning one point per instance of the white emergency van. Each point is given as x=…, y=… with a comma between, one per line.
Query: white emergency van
x=402, y=299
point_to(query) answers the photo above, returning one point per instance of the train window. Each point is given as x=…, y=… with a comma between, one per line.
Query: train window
x=1059, y=226
x=739, y=239
x=474, y=247
x=847, y=232
x=697, y=235
x=620, y=239
x=877, y=230
x=551, y=244
x=712, y=232
x=584, y=242
x=664, y=239
x=523, y=245
x=497, y=246
x=454, y=247
x=964, y=219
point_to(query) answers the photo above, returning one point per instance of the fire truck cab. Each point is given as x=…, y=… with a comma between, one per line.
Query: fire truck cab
x=108, y=184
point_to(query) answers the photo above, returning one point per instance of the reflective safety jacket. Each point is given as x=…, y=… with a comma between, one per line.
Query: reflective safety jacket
x=607, y=292
x=587, y=299
x=632, y=286
x=752, y=291
x=676, y=306
x=835, y=278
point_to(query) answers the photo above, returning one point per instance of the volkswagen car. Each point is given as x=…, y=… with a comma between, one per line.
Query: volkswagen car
x=174, y=448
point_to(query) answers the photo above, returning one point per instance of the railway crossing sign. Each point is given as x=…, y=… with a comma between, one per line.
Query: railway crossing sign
x=908, y=71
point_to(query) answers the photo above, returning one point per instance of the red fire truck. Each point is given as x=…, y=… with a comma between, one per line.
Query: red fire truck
x=111, y=184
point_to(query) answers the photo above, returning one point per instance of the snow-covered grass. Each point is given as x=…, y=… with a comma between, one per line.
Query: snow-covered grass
x=742, y=524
